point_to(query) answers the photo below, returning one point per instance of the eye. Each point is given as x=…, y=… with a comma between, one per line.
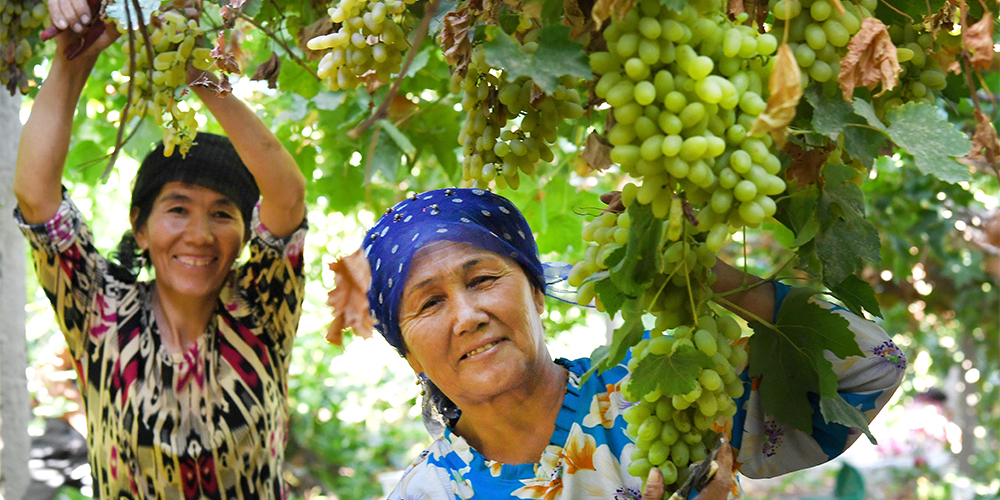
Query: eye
x=224, y=215
x=482, y=280
x=177, y=210
x=430, y=303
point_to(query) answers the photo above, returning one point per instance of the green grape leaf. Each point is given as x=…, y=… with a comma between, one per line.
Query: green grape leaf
x=674, y=5
x=611, y=297
x=250, y=7
x=856, y=294
x=402, y=142
x=673, y=374
x=845, y=237
x=624, y=337
x=830, y=116
x=862, y=143
x=556, y=56
x=933, y=141
x=636, y=270
x=835, y=409
x=865, y=110
x=117, y=11
x=549, y=210
x=385, y=159
x=790, y=360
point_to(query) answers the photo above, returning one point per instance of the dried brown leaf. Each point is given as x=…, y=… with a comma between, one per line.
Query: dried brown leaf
x=947, y=59
x=603, y=9
x=536, y=96
x=455, y=40
x=806, y=164
x=322, y=27
x=978, y=40
x=735, y=8
x=785, y=87
x=596, y=152
x=985, y=143
x=574, y=17
x=221, y=88
x=269, y=71
x=943, y=19
x=349, y=297
x=871, y=59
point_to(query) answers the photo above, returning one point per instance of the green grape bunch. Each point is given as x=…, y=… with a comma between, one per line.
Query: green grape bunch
x=510, y=125
x=157, y=86
x=20, y=24
x=370, y=41
x=922, y=77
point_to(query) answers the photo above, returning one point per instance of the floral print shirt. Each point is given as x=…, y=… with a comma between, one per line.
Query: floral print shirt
x=207, y=423
x=589, y=452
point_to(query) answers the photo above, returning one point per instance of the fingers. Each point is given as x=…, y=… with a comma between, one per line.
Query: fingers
x=75, y=15
x=721, y=484
x=654, y=485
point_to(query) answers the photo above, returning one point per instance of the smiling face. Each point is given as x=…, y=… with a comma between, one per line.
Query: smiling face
x=471, y=321
x=193, y=235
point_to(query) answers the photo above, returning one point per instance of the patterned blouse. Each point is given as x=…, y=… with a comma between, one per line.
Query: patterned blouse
x=589, y=453
x=206, y=423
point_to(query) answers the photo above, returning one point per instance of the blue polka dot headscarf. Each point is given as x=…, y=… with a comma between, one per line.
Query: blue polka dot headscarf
x=473, y=216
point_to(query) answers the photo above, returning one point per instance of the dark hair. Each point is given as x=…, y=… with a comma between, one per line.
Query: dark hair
x=212, y=162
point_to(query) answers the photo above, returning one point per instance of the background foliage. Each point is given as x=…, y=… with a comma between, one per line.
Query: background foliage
x=935, y=277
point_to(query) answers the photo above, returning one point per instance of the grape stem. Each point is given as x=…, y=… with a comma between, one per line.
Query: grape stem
x=281, y=42
x=418, y=39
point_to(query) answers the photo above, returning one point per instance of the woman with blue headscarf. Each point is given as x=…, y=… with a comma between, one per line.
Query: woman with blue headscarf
x=458, y=289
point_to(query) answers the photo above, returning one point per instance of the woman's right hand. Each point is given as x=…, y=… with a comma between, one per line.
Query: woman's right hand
x=82, y=34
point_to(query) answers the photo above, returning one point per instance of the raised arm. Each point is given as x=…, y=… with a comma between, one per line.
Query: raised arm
x=44, y=143
x=758, y=301
x=282, y=186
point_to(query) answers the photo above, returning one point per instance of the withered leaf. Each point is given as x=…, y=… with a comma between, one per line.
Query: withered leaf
x=537, y=95
x=221, y=88
x=985, y=143
x=805, y=164
x=871, y=58
x=349, y=297
x=269, y=71
x=596, y=152
x=978, y=39
x=574, y=17
x=943, y=19
x=947, y=59
x=735, y=8
x=224, y=57
x=455, y=39
x=603, y=9
x=785, y=86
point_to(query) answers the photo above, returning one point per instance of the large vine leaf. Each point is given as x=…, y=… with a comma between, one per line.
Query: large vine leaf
x=556, y=56
x=846, y=237
x=933, y=141
x=673, y=374
x=830, y=116
x=624, y=337
x=790, y=359
x=636, y=270
x=835, y=409
x=550, y=211
x=857, y=294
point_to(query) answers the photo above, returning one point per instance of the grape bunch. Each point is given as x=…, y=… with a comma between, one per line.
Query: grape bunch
x=922, y=76
x=20, y=22
x=685, y=88
x=157, y=86
x=672, y=431
x=509, y=125
x=370, y=40
x=818, y=35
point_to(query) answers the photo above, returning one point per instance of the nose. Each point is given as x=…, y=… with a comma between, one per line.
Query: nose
x=467, y=313
x=199, y=231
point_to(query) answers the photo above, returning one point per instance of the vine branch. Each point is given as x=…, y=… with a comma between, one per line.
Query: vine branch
x=288, y=50
x=417, y=40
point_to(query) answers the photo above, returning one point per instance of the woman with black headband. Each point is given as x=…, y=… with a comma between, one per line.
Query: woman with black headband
x=458, y=289
x=184, y=378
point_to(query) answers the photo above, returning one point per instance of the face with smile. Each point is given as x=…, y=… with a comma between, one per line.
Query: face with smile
x=471, y=321
x=193, y=235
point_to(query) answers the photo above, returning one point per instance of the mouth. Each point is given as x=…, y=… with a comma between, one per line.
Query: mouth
x=195, y=261
x=480, y=350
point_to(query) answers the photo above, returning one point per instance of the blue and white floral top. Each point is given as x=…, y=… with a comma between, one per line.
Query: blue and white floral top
x=589, y=453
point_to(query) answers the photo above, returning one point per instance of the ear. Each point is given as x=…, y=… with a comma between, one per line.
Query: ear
x=141, y=238
x=539, y=297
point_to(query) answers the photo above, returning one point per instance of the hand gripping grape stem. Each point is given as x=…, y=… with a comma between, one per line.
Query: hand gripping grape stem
x=84, y=39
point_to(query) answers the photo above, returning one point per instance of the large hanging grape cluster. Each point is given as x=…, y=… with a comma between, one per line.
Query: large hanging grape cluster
x=370, y=40
x=509, y=125
x=818, y=35
x=156, y=86
x=922, y=76
x=20, y=21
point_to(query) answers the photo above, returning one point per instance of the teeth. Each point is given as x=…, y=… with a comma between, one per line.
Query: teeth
x=195, y=262
x=481, y=349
